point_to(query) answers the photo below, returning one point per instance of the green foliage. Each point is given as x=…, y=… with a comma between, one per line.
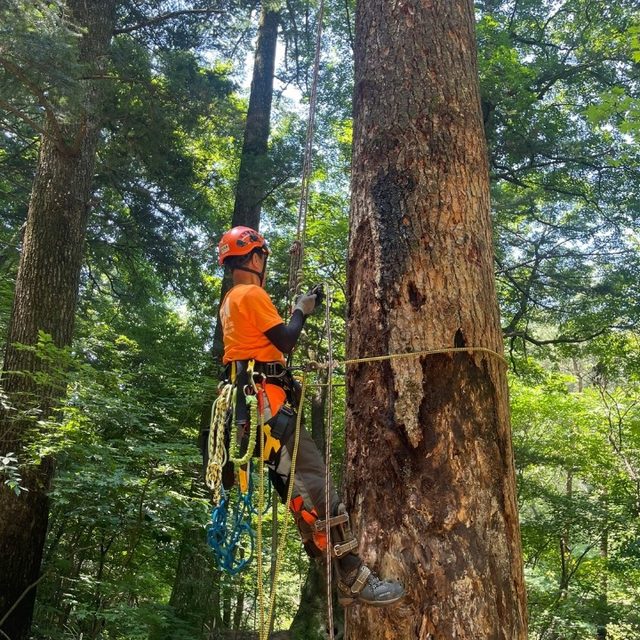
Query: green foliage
x=38, y=72
x=10, y=473
x=127, y=461
x=559, y=96
x=560, y=113
x=577, y=447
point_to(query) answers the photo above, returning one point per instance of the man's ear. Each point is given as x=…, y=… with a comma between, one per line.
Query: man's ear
x=254, y=260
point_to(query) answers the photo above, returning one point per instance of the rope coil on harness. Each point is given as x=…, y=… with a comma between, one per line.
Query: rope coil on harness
x=225, y=533
x=253, y=434
x=215, y=444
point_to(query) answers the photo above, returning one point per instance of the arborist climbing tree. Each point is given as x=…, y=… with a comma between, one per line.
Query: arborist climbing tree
x=255, y=339
x=430, y=476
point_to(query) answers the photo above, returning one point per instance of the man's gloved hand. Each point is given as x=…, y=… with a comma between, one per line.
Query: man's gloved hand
x=309, y=302
x=306, y=303
x=319, y=291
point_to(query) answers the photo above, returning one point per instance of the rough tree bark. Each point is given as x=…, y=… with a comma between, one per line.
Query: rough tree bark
x=430, y=476
x=45, y=299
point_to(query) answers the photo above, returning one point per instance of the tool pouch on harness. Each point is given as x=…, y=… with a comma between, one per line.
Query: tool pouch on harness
x=283, y=424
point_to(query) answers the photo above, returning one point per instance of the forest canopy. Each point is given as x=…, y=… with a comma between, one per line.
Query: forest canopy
x=160, y=104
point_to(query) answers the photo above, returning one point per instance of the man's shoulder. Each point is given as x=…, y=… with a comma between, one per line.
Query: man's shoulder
x=248, y=292
x=242, y=290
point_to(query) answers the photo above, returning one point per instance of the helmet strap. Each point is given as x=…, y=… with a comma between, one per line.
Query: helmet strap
x=260, y=274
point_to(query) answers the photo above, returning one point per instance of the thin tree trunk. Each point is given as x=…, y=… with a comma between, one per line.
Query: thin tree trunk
x=430, y=474
x=603, y=600
x=239, y=610
x=250, y=193
x=226, y=609
x=565, y=546
x=254, y=172
x=45, y=300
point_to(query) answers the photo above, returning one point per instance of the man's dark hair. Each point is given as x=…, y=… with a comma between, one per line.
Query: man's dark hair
x=233, y=262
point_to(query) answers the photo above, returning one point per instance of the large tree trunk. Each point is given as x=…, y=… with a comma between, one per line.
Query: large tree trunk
x=45, y=299
x=431, y=481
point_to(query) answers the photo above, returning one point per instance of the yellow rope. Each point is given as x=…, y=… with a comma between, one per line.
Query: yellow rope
x=251, y=400
x=409, y=354
x=253, y=431
x=215, y=444
x=285, y=523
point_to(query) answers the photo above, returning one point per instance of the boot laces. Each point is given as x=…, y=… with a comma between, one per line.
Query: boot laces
x=376, y=583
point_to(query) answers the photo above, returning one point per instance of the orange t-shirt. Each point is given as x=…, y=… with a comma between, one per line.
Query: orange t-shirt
x=246, y=313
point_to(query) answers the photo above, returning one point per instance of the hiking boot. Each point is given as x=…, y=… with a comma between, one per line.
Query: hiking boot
x=367, y=588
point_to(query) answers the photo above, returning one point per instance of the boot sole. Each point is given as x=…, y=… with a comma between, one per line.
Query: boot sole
x=348, y=602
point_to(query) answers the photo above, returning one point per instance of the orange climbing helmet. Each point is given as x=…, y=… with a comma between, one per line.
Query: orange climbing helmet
x=240, y=241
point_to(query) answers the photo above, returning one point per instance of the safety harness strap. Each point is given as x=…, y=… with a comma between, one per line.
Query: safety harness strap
x=342, y=548
x=342, y=537
x=341, y=518
x=361, y=580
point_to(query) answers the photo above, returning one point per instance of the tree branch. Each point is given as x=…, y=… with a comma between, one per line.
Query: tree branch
x=18, y=73
x=22, y=595
x=25, y=118
x=164, y=17
x=560, y=340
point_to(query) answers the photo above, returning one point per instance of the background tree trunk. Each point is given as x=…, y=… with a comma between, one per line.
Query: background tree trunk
x=253, y=176
x=250, y=192
x=254, y=172
x=45, y=299
x=430, y=477
x=310, y=621
x=602, y=619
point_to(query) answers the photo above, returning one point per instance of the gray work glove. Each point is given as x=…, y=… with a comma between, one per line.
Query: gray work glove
x=306, y=303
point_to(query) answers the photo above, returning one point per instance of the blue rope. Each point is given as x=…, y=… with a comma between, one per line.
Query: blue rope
x=230, y=534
